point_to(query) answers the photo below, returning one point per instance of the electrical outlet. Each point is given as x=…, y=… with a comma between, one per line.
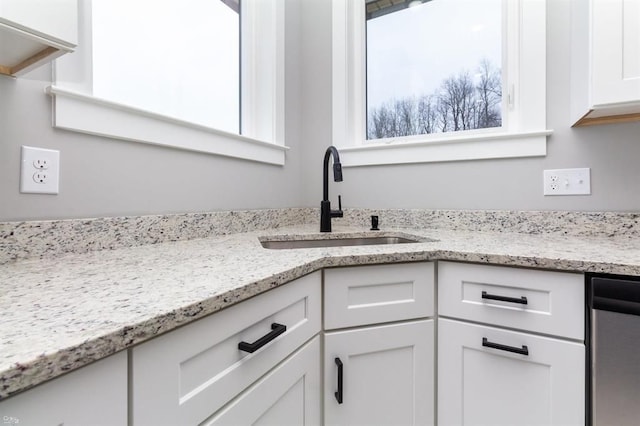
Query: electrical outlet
x=41, y=178
x=567, y=182
x=40, y=170
x=41, y=163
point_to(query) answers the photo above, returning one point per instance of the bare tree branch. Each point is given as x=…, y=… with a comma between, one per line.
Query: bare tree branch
x=458, y=104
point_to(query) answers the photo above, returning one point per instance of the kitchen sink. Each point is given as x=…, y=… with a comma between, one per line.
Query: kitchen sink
x=337, y=242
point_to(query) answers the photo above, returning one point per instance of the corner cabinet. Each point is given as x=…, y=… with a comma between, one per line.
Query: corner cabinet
x=379, y=345
x=252, y=363
x=33, y=32
x=510, y=346
x=510, y=350
x=605, y=61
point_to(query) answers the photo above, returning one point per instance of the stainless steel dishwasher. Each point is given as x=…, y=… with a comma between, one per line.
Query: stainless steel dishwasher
x=614, y=376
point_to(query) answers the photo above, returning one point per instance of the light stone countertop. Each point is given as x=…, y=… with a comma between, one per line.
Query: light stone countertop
x=62, y=313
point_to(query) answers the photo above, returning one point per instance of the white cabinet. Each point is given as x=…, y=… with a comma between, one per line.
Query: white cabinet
x=185, y=377
x=381, y=375
x=605, y=61
x=490, y=374
x=287, y=396
x=361, y=295
x=539, y=301
x=93, y=395
x=378, y=370
x=35, y=31
x=510, y=351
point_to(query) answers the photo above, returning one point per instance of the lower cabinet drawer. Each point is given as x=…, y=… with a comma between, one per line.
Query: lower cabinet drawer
x=185, y=376
x=490, y=376
x=364, y=295
x=533, y=300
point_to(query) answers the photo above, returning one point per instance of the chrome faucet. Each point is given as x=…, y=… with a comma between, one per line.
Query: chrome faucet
x=325, y=206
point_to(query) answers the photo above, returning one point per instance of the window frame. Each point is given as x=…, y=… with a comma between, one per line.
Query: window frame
x=523, y=133
x=262, y=104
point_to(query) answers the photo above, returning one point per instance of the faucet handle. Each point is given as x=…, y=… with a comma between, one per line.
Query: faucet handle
x=337, y=213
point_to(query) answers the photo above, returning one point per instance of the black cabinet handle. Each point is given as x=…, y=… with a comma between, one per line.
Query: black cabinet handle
x=522, y=351
x=522, y=300
x=338, y=394
x=277, y=329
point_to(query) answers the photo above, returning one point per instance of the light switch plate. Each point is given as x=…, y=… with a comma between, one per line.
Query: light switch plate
x=567, y=182
x=39, y=172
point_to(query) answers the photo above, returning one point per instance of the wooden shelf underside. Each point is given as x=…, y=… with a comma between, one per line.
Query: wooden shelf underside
x=609, y=119
x=13, y=69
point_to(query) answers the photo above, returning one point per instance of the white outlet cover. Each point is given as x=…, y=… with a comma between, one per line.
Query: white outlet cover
x=35, y=180
x=567, y=182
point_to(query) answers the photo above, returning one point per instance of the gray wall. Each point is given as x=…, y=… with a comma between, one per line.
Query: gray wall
x=611, y=151
x=101, y=177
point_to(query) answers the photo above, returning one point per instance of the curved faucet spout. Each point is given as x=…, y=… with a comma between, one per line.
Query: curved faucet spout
x=337, y=170
x=325, y=206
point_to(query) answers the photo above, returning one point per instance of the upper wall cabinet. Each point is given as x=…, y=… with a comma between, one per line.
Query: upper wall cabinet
x=33, y=32
x=605, y=61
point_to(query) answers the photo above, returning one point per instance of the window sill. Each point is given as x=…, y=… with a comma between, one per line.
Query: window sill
x=470, y=147
x=87, y=114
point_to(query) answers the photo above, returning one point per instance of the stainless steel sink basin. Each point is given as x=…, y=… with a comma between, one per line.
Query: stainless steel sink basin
x=336, y=242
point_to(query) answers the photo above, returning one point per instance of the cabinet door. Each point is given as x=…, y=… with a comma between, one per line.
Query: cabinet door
x=33, y=32
x=94, y=395
x=54, y=20
x=387, y=375
x=289, y=395
x=616, y=51
x=481, y=382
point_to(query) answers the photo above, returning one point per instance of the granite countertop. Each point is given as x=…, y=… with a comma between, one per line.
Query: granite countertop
x=62, y=313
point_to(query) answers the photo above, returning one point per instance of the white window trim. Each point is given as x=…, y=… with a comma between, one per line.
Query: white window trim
x=76, y=109
x=523, y=134
x=470, y=147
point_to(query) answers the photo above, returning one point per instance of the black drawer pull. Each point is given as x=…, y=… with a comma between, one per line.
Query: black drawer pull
x=277, y=329
x=522, y=300
x=522, y=351
x=338, y=394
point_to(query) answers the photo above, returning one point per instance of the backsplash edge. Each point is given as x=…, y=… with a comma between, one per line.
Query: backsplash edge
x=33, y=239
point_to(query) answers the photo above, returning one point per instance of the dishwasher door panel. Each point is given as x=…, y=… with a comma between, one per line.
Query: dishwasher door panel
x=615, y=368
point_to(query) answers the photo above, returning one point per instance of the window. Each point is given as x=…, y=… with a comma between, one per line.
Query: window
x=178, y=81
x=438, y=80
x=425, y=75
x=150, y=69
